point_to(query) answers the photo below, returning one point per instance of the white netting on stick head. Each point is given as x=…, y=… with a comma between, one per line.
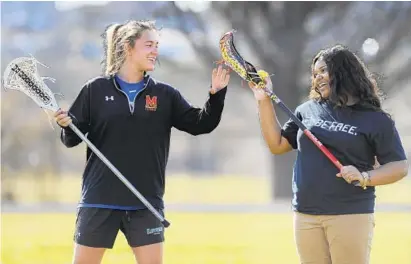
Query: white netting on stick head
x=21, y=74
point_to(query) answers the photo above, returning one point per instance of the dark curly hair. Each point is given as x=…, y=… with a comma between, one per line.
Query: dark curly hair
x=348, y=77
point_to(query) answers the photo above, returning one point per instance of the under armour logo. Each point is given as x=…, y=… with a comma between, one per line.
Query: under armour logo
x=110, y=98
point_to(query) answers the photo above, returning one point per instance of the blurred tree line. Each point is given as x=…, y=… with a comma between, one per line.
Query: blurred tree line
x=280, y=37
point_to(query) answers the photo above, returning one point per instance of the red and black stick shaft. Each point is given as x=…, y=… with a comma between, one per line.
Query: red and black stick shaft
x=307, y=132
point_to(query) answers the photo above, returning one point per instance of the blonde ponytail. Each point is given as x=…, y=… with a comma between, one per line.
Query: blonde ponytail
x=111, y=39
x=116, y=39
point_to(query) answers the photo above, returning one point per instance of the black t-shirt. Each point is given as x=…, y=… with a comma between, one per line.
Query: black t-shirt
x=355, y=136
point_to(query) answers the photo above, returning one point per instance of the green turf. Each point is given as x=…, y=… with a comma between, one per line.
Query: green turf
x=208, y=190
x=194, y=238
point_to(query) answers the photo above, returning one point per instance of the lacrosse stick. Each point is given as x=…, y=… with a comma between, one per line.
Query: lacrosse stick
x=21, y=74
x=232, y=58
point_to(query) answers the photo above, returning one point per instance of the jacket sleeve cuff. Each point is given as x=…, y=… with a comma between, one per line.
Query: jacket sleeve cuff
x=219, y=96
x=74, y=121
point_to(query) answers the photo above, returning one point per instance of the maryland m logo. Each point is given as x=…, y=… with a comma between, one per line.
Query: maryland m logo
x=151, y=103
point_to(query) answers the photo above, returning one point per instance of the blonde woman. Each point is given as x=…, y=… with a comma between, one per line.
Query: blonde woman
x=129, y=116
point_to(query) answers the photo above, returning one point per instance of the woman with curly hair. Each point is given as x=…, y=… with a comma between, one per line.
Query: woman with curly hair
x=333, y=218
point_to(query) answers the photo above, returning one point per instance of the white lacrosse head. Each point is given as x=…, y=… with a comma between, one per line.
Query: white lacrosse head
x=21, y=74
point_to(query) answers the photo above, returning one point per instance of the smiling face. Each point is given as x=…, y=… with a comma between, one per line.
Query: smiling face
x=340, y=77
x=145, y=51
x=321, y=78
x=133, y=45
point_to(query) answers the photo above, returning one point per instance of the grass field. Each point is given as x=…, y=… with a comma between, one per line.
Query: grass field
x=206, y=189
x=194, y=238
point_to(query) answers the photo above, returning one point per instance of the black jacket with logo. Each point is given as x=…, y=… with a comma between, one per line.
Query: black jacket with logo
x=135, y=139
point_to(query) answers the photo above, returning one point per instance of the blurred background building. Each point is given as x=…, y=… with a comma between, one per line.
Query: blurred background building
x=232, y=165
